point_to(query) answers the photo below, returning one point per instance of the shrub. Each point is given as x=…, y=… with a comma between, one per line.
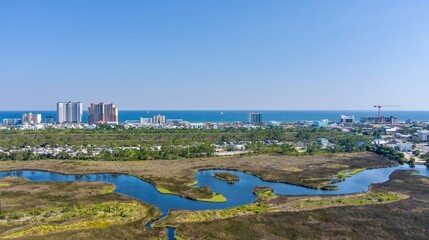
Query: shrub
x=15, y=215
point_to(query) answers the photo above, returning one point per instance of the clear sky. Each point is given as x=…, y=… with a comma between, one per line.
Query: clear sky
x=215, y=54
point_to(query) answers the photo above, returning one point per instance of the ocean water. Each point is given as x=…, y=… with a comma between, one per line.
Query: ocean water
x=241, y=115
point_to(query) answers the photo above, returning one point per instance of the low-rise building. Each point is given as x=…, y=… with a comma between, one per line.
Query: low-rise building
x=12, y=121
x=379, y=120
x=49, y=119
x=31, y=118
x=390, y=130
x=174, y=121
x=347, y=120
x=404, y=147
x=379, y=141
x=145, y=121
x=321, y=123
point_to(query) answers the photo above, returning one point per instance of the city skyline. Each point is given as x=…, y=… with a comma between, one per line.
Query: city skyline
x=222, y=55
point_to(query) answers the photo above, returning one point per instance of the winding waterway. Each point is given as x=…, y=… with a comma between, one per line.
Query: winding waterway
x=237, y=194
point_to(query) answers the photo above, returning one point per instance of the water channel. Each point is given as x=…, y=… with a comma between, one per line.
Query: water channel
x=237, y=194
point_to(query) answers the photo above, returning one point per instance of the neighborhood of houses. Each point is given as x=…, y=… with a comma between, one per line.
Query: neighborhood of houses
x=407, y=137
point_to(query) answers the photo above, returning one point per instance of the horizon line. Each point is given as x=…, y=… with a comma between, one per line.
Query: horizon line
x=224, y=110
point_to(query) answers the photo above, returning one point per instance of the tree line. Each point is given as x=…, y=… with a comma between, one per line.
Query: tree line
x=144, y=153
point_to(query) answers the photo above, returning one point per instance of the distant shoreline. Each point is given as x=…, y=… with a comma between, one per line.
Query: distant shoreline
x=241, y=115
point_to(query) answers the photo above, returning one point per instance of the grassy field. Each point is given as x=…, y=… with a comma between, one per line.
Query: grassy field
x=398, y=209
x=269, y=202
x=176, y=177
x=59, y=210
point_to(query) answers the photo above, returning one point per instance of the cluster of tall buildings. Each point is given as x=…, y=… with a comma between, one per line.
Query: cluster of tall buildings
x=72, y=112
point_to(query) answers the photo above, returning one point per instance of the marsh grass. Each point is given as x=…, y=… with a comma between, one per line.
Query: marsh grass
x=31, y=209
x=396, y=209
x=177, y=176
x=360, y=199
x=177, y=217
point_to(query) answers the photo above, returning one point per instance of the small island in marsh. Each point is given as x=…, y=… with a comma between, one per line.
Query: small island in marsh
x=227, y=177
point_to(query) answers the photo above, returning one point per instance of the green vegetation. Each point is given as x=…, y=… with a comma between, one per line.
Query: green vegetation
x=175, y=143
x=346, y=173
x=264, y=192
x=292, y=169
x=217, y=197
x=192, y=183
x=425, y=157
x=412, y=162
x=227, y=177
x=99, y=216
x=165, y=191
x=338, y=166
x=48, y=209
x=389, y=153
x=361, y=199
x=47, y=229
x=140, y=136
x=167, y=152
x=269, y=202
x=329, y=188
x=416, y=152
x=177, y=217
x=108, y=189
x=325, y=183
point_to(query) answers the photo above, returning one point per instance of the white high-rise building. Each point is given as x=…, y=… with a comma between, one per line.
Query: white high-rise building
x=159, y=119
x=255, y=117
x=31, y=118
x=69, y=112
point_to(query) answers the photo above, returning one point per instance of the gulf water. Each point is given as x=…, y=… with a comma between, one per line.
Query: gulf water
x=241, y=115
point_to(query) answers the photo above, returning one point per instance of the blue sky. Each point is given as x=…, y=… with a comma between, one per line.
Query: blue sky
x=223, y=54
